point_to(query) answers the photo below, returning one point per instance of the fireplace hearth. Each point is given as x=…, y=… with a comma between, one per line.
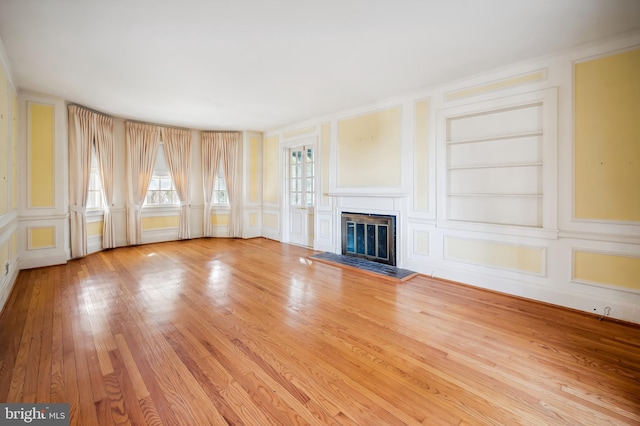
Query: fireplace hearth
x=369, y=236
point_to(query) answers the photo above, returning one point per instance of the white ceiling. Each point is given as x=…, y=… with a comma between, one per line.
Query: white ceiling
x=258, y=64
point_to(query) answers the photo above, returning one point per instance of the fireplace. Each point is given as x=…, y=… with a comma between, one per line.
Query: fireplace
x=369, y=236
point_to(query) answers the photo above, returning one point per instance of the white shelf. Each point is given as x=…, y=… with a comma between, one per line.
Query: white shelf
x=497, y=138
x=494, y=166
x=494, y=195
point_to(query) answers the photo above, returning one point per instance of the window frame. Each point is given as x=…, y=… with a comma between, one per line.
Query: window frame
x=94, y=176
x=220, y=176
x=174, y=193
x=161, y=175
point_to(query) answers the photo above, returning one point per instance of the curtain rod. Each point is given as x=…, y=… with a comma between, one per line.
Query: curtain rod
x=152, y=124
x=156, y=124
x=183, y=128
x=90, y=109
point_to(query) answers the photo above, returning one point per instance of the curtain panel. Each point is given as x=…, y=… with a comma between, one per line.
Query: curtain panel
x=229, y=146
x=210, y=162
x=141, y=151
x=177, y=149
x=220, y=148
x=81, y=133
x=104, y=152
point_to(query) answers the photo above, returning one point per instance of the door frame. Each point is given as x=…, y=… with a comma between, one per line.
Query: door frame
x=311, y=141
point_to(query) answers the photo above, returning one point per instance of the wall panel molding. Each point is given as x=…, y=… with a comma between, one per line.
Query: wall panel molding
x=606, y=268
x=304, y=131
x=41, y=146
x=494, y=254
x=497, y=85
x=41, y=237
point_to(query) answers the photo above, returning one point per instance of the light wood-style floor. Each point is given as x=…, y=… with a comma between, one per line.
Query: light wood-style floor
x=219, y=331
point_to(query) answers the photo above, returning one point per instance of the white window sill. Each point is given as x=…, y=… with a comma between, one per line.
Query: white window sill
x=94, y=215
x=166, y=210
x=220, y=207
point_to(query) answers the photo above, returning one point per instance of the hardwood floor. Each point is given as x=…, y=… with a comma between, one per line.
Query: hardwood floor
x=218, y=331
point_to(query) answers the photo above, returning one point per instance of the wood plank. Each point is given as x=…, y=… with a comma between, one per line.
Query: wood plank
x=229, y=331
x=23, y=363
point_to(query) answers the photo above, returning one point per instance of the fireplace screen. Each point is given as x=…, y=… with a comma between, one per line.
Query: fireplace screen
x=369, y=236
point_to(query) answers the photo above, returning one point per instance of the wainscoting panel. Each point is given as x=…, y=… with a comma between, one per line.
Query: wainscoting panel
x=271, y=224
x=511, y=257
x=43, y=241
x=325, y=232
x=252, y=222
x=611, y=269
x=420, y=242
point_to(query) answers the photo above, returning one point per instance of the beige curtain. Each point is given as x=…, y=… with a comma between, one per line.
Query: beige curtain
x=229, y=151
x=81, y=129
x=141, y=149
x=210, y=161
x=104, y=152
x=177, y=149
x=220, y=148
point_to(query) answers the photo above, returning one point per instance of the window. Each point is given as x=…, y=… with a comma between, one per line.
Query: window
x=302, y=181
x=94, y=198
x=161, y=191
x=220, y=194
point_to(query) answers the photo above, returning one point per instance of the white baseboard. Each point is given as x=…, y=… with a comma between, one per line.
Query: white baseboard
x=251, y=233
x=7, y=283
x=159, y=235
x=38, y=262
x=324, y=247
x=94, y=244
x=272, y=234
x=624, y=308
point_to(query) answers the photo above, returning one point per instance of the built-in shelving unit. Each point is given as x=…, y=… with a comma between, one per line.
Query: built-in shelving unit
x=496, y=178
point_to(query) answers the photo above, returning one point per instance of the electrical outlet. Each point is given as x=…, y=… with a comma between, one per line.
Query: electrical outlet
x=605, y=312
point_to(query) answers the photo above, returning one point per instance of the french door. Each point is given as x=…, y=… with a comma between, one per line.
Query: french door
x=302, y=194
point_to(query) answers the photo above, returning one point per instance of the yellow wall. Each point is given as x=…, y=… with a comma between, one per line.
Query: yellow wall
x=421, y=155
x=41, y=155
x=219, y=219
x=497, y=85
x=497, y=255
x=369, y=149
x=253, y=169
x=270, y=221
x=298, y=132
x=4, y=142
x=14, y=152
x=607, y=137
x=622, y=271
x=253, y=219
x=42, y=237
x=270, y=170
x=159, y=222
x=325, y=150
x=95, y=228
